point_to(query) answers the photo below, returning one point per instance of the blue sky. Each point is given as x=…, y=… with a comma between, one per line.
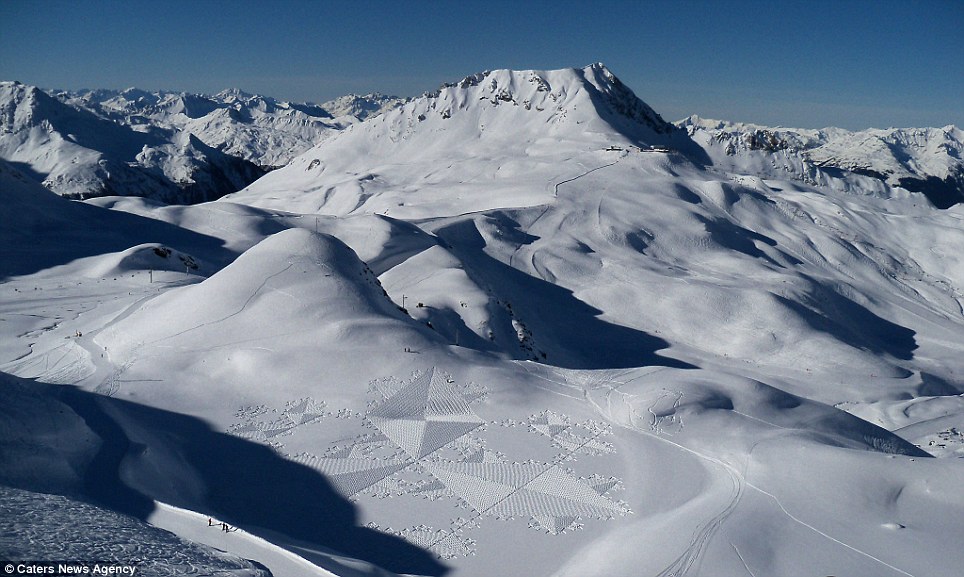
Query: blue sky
x=815, y=63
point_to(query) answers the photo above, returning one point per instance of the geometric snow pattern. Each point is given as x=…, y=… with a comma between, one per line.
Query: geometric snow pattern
x=535, y=489
x=351, y=476
x=296, y=414
x=421, y=438
x=567, y=436
x=425, y=440
x=445, y=544
x=424, y=415
x=555, y=525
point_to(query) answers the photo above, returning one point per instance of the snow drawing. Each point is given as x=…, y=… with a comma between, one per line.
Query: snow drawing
x=422, y=438
x=295, y=414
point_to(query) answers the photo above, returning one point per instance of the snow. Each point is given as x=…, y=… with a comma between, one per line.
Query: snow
x=86, y=535
x=259, y=129
x=517, y=326
x=362, y=107
x=196, y=528
x=78, y=154
x=916, y=159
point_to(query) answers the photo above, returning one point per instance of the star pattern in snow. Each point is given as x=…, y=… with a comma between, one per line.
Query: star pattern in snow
x=295, y=414
x=426, y=440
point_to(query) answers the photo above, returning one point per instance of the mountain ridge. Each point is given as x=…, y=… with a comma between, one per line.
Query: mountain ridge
x=526, y=120
x=270, y=133
x=79, y=154
x=925, y=160
x=258, y=128
x=519, y=326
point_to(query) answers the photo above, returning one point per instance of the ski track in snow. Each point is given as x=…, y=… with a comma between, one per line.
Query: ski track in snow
x=738, y=480
x=825, y=535
x=555, y=194
x=735, y=482
x=742, y=560
x=111, y=384
x=71, y=363
x=247, y=302
x=704, y=533
x=555, y=189
x=75, y=358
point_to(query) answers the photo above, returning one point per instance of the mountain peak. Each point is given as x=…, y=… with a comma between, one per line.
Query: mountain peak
x=561, y=93
x=364, y=106
x=234, y=93
x=622, y=100
x=522, y=122
x=602, y=69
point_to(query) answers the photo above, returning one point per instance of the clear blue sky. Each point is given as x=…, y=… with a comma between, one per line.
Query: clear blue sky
x=814, y=63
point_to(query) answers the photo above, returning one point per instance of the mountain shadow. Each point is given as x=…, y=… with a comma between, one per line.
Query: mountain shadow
x=34, y=242
x=827, y=311
x=244, y=483
x=148, y=454
x=944, y=193
x=566, y=331
x=41, y=230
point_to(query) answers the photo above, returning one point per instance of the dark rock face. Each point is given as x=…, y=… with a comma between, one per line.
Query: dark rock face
x=942, y=193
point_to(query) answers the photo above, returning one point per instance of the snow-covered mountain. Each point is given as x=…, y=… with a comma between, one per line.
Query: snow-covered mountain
x=270, y=133
x=520, y=325
x=79, y=155
x=522, y=125
x=174, y=147
x=259, y=129
x=925, y=160
x=362, y=107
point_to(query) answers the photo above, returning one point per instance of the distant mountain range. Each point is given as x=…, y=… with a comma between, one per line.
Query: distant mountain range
x=172, y=147
x=925, y=160
x=182, y=148
x=259, y=129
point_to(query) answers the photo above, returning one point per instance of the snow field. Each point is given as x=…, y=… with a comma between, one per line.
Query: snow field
x=637, y=362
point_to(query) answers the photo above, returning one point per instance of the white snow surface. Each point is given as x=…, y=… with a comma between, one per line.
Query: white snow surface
x=895, y=151
x=362, y=106
x=884, y=161
x=517, y=326
x=260, y=129
x=78, y=154
x=169, y=146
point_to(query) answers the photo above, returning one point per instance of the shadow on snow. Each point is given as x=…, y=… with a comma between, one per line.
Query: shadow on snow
x=148, y=453
x=567, y=329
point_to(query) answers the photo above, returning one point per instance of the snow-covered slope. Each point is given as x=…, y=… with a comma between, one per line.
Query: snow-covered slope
x=44, y=231
x=518, y=326
x=173, y=147
x=49, y=449
x=80, y=155
x=925, y=160
x=517, y=169
x=466, y=142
